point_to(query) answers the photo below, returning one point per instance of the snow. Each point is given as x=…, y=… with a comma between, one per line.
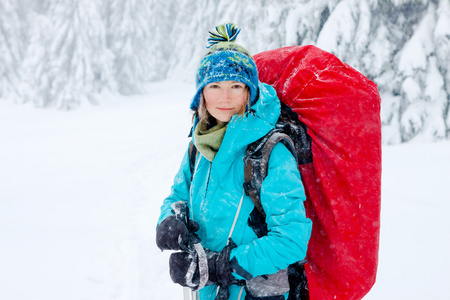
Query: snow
x=411, y=89
x=80, y=194
x=416, y=51
x=338, y=32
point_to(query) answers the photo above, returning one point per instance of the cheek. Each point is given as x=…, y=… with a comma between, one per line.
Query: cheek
x=242, y=101
x=208, y=103
x=209, y=99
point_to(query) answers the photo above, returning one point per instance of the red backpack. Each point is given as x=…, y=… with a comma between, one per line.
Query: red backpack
x=341, y=110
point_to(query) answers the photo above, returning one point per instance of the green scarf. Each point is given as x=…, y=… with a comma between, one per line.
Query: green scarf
x=208, y=141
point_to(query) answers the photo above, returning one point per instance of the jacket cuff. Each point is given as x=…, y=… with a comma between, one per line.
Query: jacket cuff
x=237, y=271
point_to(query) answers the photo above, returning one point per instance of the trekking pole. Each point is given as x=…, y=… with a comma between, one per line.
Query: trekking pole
x=189, y=294
x=182, y=213
x=186, y=293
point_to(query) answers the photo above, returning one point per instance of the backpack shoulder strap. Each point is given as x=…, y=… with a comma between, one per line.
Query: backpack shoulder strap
x=192, y=157
x=256, y=163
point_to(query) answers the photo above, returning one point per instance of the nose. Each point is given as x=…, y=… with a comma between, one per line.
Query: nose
x=226, y=95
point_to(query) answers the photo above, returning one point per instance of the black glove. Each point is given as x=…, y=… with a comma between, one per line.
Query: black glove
x=173, y=234
x=185, y=268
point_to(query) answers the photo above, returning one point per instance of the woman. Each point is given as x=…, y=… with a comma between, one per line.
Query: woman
x=225, y=258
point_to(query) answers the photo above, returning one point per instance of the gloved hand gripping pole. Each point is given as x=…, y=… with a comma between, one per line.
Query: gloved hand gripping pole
x=194, y=248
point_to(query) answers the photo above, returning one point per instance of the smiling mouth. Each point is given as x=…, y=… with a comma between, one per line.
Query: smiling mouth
x=225, y=109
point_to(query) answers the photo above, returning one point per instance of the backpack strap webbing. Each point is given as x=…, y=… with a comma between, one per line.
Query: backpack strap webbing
x=256, y=163
x=192, y=157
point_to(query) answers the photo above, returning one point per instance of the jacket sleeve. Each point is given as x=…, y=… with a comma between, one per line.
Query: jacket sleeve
x=180, y=188
x=282, y=196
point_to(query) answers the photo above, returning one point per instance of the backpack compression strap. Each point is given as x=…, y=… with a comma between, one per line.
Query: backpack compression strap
x=256, y=162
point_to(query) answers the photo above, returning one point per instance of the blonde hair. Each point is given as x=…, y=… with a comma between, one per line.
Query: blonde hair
x=204, y=116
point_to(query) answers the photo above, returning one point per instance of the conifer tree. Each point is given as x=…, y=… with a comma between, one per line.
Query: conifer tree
x=130, y=38
x=35, y=72
x=11, y=48
x=75, y=59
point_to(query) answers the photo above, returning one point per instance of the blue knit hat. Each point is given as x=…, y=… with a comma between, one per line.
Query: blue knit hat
x=225, y=60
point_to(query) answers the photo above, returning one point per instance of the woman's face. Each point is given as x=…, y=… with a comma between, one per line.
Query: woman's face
x=224, y=99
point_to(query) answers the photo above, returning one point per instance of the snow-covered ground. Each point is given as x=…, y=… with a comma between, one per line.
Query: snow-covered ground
x=80, y=195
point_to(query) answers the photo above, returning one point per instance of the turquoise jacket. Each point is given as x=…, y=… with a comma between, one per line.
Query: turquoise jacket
x=216, y=194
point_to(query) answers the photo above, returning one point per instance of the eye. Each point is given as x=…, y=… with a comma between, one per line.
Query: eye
x=238, y=86
x=213, y=86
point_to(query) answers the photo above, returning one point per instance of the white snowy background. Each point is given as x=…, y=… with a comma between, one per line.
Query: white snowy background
x=81, y=182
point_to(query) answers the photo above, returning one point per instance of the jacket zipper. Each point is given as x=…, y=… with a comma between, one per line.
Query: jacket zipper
x=206, y=188
x=207, y=180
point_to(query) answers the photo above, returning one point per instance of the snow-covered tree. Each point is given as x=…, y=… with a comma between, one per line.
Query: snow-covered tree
x=305, y=21
x=80, y=59
x=134, y=41
x=11, y=47
x=442, y=41
x=36, y=76
x=346, y=31
x=188, y=33
x=424, y=99
x=71, y=54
